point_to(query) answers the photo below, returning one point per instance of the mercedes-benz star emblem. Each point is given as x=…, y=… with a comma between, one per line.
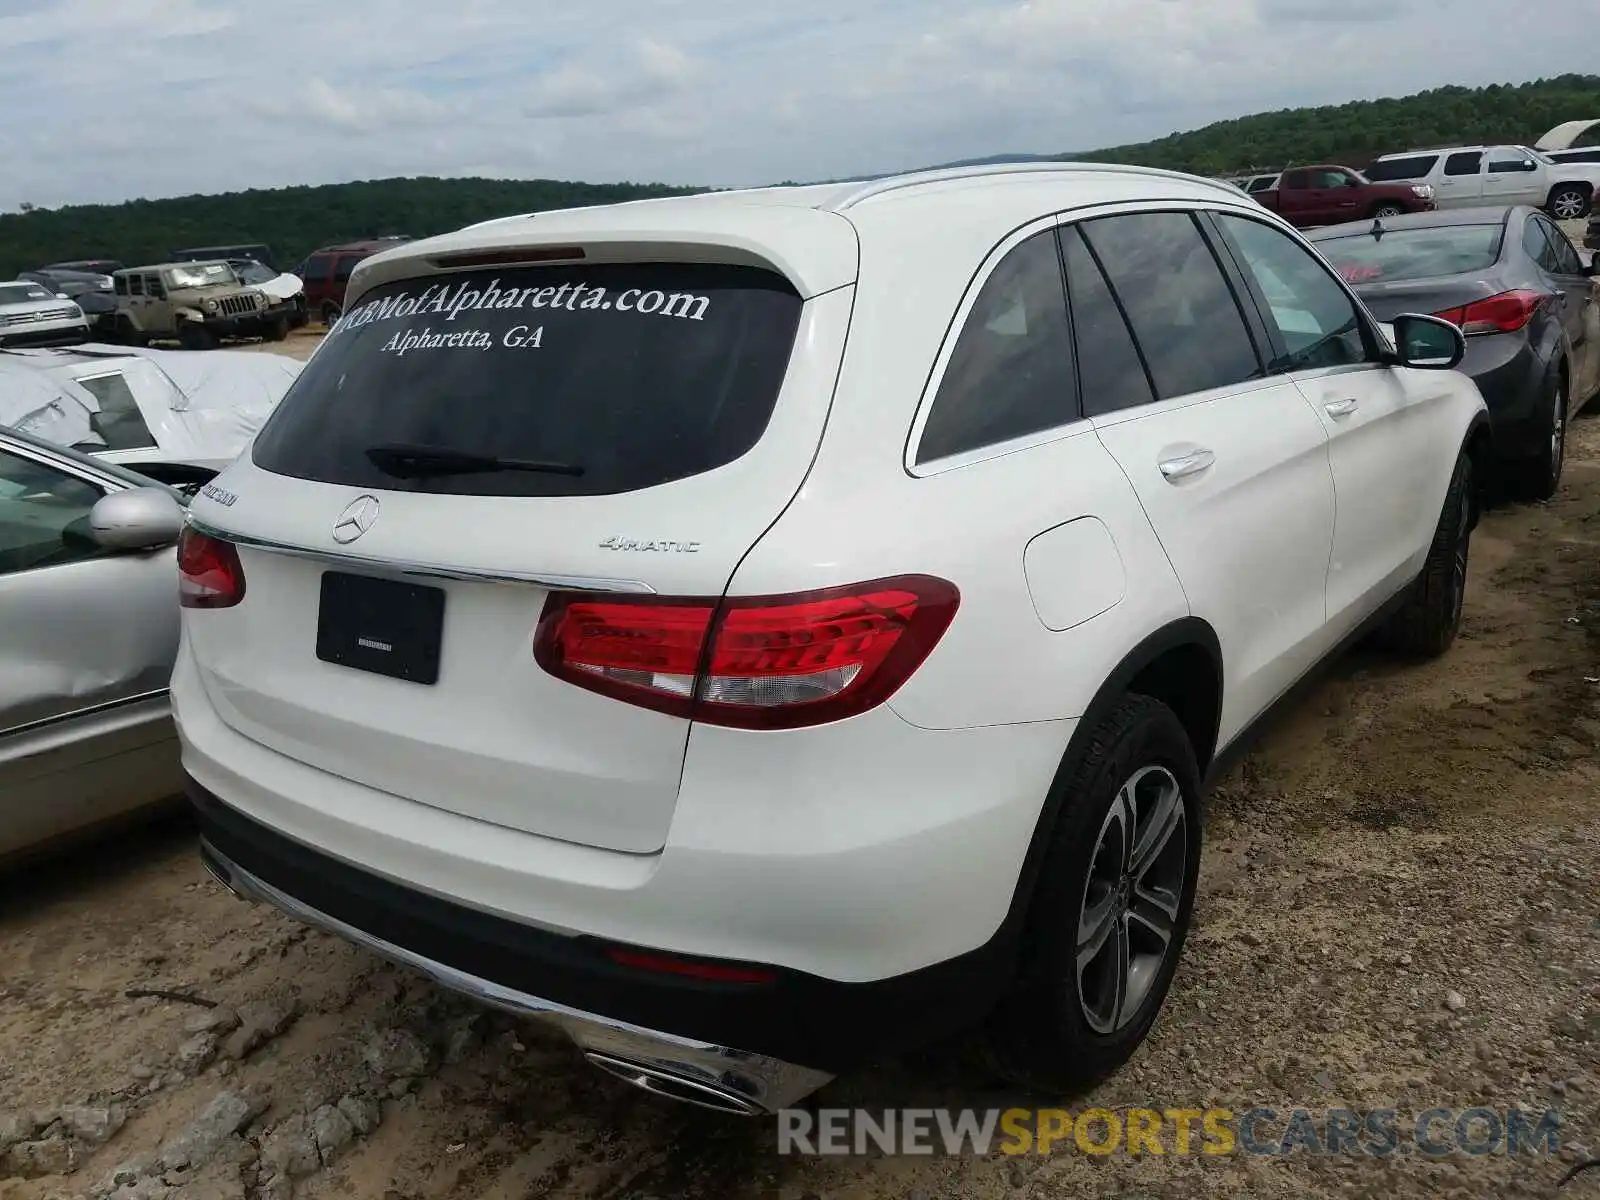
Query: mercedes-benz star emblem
x=358, y=517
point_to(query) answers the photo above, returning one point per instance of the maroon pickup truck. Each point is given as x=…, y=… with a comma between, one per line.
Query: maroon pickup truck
x=1327, y=195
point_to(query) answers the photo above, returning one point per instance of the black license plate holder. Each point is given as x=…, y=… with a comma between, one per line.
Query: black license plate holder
x=382, y=626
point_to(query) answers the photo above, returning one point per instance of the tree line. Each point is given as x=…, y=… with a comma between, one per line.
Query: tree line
x=296, y=220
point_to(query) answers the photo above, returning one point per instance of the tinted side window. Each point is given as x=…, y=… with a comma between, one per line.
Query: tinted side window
x=1180, y=306
x=136, y=285
x=1508, y=160
x=1566, y=257
x=44, y=516
x=1010, y=373
x=347, y=264
x=119, y=284
x=1537, y=246
x=1413, y=166
x=1315, y=318
x=1294, y=181
x=1110, y=372
x=316, y=268
x=1465, y=163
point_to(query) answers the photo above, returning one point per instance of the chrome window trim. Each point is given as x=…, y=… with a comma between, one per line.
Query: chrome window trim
x=67, y=466
x=569, y=583
x=1239, y=206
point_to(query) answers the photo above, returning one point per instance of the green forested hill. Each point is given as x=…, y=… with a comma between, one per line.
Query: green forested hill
x=291, y=220
x=1355, y=133
x=297, y=219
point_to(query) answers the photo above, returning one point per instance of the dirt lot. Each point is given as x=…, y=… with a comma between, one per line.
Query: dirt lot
x=1399, y=907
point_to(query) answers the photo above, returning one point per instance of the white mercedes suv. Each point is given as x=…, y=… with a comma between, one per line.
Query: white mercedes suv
x=763, y=631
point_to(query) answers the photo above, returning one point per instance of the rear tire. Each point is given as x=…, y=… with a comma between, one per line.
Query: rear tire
x=331, y=312
x=1539, y=477
x=1120, y=867
x=1430, y=617
x=1568, y=202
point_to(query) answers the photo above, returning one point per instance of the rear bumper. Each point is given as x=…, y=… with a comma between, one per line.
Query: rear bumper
x=872, y=877
x=569, y=980
x=699, y=1072
x=1513, y=378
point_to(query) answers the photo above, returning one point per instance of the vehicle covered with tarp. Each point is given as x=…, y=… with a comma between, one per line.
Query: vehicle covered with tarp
x=174, y=415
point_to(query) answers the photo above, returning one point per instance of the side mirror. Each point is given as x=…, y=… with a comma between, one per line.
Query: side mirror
x=141, y=518
x=1428, y=343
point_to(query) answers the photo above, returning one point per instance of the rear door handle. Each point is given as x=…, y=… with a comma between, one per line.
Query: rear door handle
x=1187, y=464
x=1341, y=408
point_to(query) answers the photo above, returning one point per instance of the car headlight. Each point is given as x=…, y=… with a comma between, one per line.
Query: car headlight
x=261, y=299
x=209, y=305
x=1423, y=190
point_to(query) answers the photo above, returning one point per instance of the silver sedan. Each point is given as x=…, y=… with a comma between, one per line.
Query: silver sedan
x=88, y=634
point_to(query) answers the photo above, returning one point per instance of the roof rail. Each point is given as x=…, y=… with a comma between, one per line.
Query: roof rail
x=894, y=183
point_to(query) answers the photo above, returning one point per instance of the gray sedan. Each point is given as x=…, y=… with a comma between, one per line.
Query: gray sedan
x=88, y=634
x=1522, y=295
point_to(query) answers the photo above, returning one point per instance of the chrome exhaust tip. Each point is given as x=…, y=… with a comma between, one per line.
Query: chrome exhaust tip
x=215, y=869
x=699, y=1092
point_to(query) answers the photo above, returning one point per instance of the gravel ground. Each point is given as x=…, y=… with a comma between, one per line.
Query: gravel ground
x=1398, y=909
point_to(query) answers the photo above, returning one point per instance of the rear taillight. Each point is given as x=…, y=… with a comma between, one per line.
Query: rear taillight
x=752, y=662
x=1505, y=313
x=209, y=574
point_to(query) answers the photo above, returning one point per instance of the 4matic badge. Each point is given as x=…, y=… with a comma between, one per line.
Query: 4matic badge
x=650, y=544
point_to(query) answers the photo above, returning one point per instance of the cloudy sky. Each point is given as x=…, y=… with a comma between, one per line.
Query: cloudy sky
x=103, y=100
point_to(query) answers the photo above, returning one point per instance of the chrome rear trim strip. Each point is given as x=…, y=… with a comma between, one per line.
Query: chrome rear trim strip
x=336, y=558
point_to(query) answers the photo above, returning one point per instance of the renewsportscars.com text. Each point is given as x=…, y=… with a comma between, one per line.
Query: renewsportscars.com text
x=1378, y=1132
x=450, y=301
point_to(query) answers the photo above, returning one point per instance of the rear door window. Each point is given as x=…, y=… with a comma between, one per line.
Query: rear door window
x=1466, y=162
x=635, y=375
x=1177, y=300
x=1562, y=254
x=346, y=264
x=1110, y=370
x=316, y=268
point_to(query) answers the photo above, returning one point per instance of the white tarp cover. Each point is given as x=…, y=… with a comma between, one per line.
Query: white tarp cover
x=199, y=405
x=1564, y=134
x=284, y=287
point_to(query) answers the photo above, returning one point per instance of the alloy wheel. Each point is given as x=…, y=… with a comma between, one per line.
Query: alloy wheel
x=1129, y=910
x=1387, y=210
x=1558, y=436
x=1567, y=206
x=1458, y=564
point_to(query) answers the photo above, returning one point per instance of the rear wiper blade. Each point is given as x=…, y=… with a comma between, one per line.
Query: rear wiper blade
x=408, y=460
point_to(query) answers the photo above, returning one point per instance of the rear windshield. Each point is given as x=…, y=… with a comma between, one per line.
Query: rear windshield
x=1412, y=167
x=1413, y=253
x=635, y=374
